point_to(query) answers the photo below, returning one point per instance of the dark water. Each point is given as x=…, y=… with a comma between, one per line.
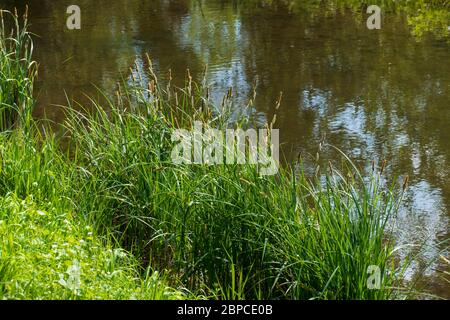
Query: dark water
x=374, y=94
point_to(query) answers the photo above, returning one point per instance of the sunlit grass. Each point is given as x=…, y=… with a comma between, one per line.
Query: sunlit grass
x=49, y=254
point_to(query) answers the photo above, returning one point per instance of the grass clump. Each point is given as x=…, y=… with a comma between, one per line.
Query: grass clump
x=17, y=72
x=224, y=230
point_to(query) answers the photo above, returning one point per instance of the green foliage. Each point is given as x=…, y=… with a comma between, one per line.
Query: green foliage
x=224, y=231
x=17, y=72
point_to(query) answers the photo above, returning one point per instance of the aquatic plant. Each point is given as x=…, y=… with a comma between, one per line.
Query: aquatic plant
x=17, y=71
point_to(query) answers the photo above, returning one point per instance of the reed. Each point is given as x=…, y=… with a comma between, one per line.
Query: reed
x=225, y=231
x=17, y=71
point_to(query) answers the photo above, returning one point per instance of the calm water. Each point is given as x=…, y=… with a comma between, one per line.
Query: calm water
x=374, y=94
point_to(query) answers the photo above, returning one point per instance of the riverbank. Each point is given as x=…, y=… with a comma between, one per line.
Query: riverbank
x=107, y=188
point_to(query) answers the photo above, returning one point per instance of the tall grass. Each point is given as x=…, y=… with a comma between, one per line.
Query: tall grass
x=220, y=231
x=225, y=230
x=17, y=71
x=49, y=254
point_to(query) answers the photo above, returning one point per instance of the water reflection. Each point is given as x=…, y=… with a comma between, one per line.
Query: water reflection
x=374, y=94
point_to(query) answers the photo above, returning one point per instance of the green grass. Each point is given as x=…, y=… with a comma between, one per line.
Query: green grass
x=17, y=72
x=225, y=228
x=108, y=189
x=49, y=254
